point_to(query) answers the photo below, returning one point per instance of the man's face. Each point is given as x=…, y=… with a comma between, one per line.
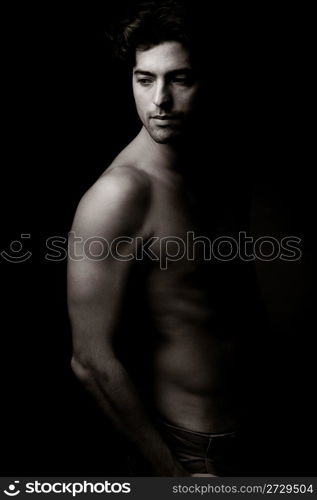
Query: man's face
x=165, y=90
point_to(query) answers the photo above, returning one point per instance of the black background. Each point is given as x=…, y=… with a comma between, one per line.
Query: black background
x=68, y=111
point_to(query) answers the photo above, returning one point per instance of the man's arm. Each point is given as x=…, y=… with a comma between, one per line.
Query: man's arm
x=116, y=206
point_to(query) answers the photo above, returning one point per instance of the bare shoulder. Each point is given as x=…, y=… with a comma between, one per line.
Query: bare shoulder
x=118, y=201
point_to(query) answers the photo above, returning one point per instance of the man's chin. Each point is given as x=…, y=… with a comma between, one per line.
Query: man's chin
x=165, y=135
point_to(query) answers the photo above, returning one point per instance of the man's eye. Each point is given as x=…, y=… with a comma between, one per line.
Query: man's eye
x=182, y=81
x=145, y=81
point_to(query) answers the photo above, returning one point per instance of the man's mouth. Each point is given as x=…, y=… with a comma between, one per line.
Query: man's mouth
x=164, y=117
x=165, y=121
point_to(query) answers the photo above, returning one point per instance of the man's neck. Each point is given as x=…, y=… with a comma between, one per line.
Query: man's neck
x=165, y=156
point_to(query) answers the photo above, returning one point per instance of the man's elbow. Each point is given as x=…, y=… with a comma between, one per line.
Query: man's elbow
x=83, y=373
x=89, y=373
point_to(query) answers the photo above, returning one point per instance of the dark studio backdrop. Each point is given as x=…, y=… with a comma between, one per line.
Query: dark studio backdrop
x=68, y=111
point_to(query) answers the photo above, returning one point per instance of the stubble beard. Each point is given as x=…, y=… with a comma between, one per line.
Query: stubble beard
x=164, y=135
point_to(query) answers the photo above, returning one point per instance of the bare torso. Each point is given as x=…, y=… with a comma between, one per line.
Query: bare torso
x=196, y=360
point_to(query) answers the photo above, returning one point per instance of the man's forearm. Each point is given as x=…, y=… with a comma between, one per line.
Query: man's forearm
x=120, y=401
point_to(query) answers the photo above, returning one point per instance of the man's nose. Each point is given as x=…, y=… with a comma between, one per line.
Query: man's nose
x=162, y=95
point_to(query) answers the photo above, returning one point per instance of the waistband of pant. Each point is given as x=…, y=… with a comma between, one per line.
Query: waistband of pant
x=190, y=433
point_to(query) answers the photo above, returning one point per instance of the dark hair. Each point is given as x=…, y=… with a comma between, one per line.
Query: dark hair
x=152, y=23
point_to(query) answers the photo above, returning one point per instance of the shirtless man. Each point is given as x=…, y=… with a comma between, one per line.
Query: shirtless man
x=143, y=197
